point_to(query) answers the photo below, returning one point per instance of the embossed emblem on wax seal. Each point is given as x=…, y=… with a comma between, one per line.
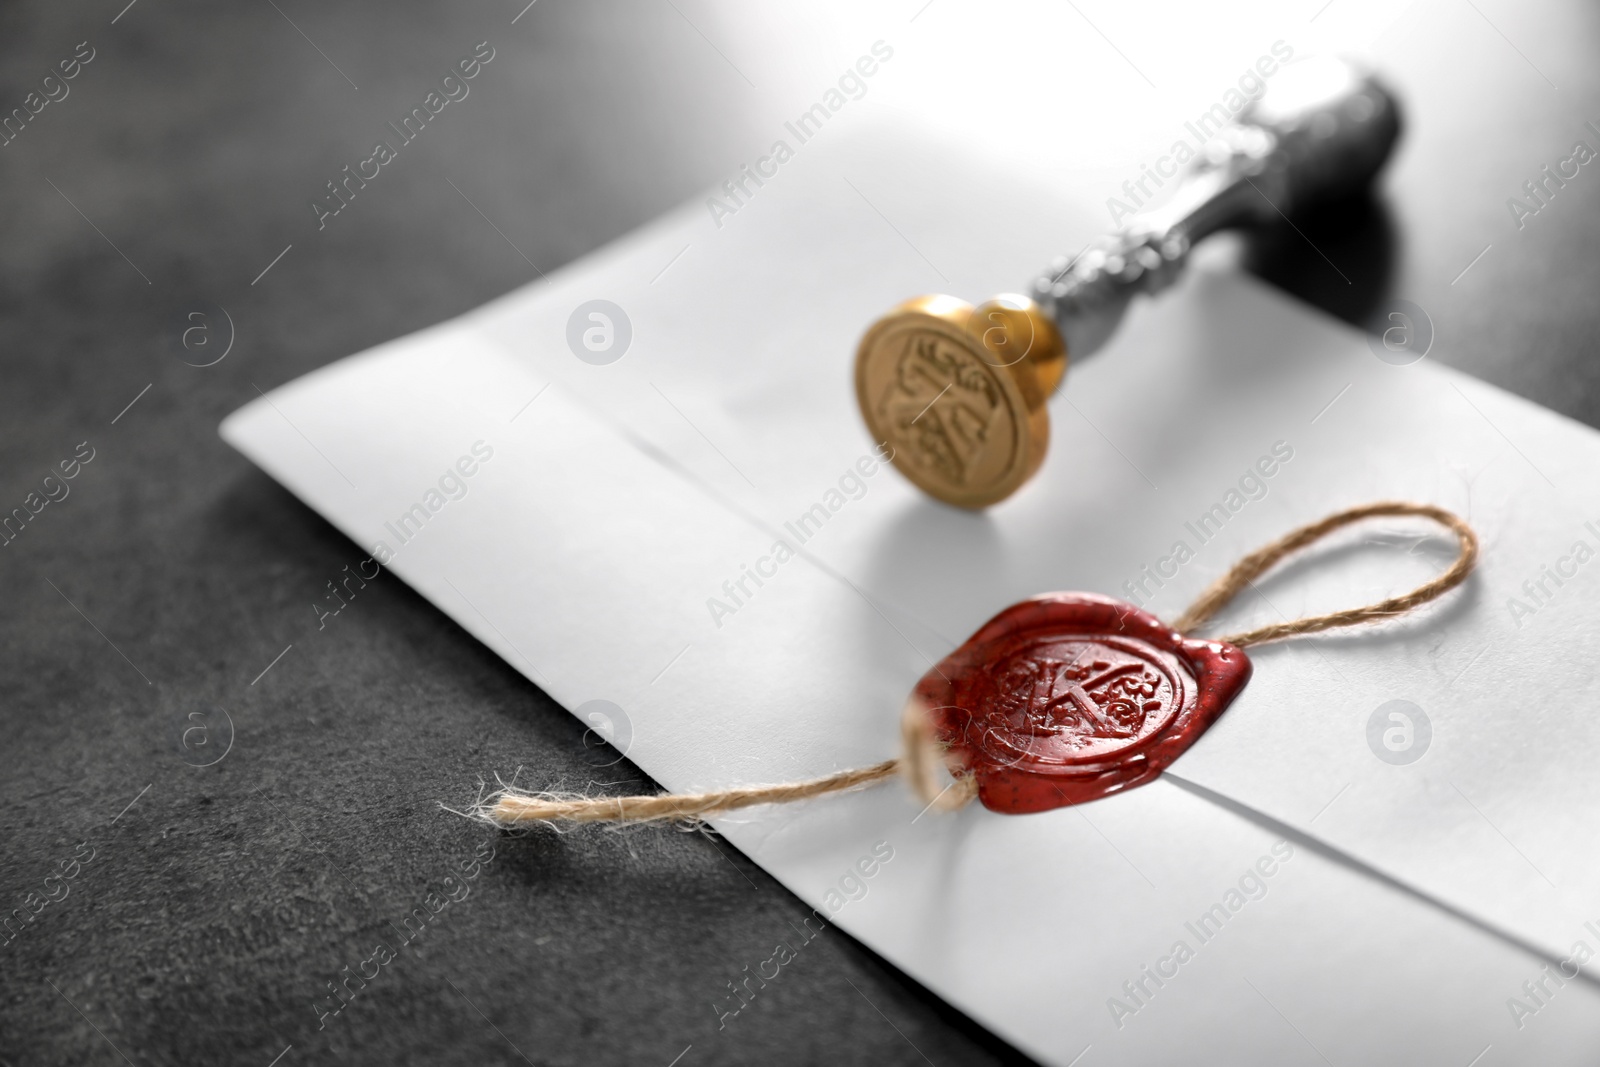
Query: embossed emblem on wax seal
x=1070, y=697
x=958, y=393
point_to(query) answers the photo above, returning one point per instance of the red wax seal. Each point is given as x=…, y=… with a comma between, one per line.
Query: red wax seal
x=1070, y=697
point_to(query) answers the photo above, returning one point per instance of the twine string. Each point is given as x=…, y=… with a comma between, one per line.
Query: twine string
x=507, y=808
x=1263, y=559
x=924, y=761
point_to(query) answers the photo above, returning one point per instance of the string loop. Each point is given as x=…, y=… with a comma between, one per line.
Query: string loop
x=1257, y=563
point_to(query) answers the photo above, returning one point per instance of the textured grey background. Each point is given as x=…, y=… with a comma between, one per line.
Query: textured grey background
x=221, y=902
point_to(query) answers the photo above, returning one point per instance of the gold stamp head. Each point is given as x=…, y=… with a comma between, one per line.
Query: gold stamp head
x=958, y=393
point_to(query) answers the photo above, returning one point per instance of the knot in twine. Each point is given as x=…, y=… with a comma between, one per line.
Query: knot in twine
x=923, y=760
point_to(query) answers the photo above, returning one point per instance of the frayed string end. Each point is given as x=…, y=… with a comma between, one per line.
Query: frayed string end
x=508, y=808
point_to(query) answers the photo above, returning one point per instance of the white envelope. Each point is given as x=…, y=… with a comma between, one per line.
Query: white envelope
x=614, y=503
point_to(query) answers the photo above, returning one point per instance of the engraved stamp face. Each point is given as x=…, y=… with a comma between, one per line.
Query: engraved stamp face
x=946, y=411
x=959, y=392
